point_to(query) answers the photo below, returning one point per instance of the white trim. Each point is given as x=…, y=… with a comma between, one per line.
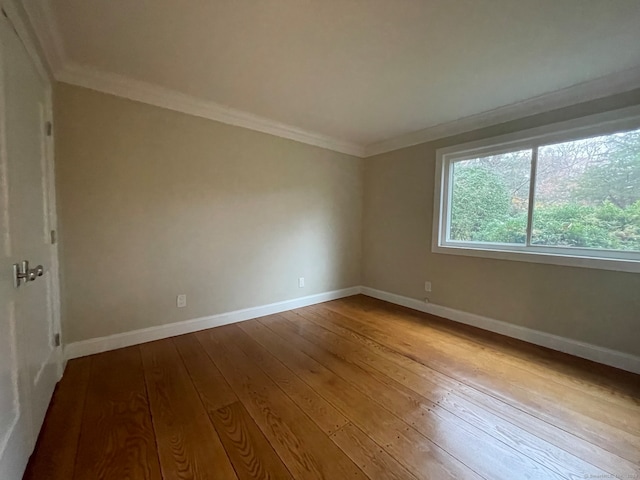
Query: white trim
x=19, y=442
x=600, y=263
x=606, y=356
x=13, y=460
x=601, y=87
x=44, y=23
x=54, y=269
x=65, y=70
x=152, y=94
x=599, y=124
x=12, y=8
x=135, y=337
x=45, y=26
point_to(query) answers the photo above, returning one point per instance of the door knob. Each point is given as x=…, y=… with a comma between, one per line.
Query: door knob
x=23, y=274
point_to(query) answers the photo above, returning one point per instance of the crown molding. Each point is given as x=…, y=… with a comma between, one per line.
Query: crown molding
x=145, y=92
x=16, y=13
x=601, y=87
x=43, y=22
x=45, y=26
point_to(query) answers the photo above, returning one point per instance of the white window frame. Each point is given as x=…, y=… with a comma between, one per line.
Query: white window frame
x=601, y=124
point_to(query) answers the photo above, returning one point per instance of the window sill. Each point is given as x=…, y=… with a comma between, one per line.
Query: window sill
x=619, y=265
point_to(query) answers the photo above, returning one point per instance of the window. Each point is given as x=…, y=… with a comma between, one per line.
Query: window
x=566, y=194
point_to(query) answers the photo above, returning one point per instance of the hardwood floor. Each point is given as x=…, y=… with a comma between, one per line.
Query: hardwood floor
x=354, y=388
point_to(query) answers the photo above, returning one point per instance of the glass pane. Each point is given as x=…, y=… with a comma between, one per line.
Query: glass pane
x=490, y=198
x=588, y=193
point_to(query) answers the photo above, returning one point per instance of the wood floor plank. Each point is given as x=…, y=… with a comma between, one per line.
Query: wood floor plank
x=578, y=447
x=596, y=455
x=470, y=445
x=373, y=460
x=352, y=388
x=304, y=448
x=546, y=454
x=595, y=399
x=432, y=387
x=117, y=440
x=417, y=453
x=249, y=450
x=611, y=384
x=55, y=452
x=188, y=444
x=579, y=396
x=486, y=377
x=394, y=365
x=556, y=459
x=542, y=383
x=316, y=407
x=211, y=385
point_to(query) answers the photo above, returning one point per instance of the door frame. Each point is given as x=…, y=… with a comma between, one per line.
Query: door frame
x=13, y=10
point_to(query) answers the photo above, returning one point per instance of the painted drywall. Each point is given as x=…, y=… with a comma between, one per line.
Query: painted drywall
x=154, y=203
x=594, y=306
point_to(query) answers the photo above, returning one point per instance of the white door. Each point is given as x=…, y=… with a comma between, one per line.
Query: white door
x=29, y=358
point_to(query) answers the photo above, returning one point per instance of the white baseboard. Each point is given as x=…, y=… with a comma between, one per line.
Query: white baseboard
x=135, y=337
x=624, y=361
x=606, y=356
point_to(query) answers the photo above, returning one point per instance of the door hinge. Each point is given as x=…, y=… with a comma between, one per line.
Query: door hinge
x=53, y=237
x=56, y=339
x=49, y=128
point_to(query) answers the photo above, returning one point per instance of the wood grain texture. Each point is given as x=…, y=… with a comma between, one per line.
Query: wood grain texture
x=214, y=390
x=188, y=445
x=249, y=450
x=373, y=460
x=417, y=453
x=353, y=388
x=426, y=380
x=469, y=445
x=304, y=448
x=445, y=401
x=473, y=366
x=546, y=387
x=582, y=378
x=608, y=382
x=55, y=452
x=117, y=440
x=316, y=407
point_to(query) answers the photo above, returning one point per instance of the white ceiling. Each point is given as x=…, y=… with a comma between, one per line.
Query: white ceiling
x=358, y=71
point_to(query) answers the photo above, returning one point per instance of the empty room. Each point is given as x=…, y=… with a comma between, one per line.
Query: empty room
x=319, y=239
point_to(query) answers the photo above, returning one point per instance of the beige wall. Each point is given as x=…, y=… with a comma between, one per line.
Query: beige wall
x=595, y=306
x=153, y=203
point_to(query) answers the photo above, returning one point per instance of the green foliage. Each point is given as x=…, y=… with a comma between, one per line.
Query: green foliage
x=483, y=210
x=604, y=226
x=511, y=229
x=616, y=177
x=570, y=225
x=479, y=197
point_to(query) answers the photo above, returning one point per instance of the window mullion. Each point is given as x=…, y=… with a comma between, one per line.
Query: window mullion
x=532, y=193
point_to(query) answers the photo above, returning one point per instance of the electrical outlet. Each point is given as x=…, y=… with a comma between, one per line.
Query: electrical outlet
x=181, y=300
x=301, y=282
x=427, y=286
